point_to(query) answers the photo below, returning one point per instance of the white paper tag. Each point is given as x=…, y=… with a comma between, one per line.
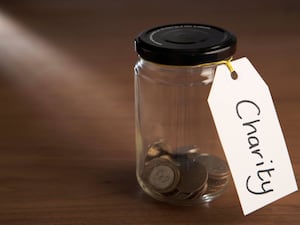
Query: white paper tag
x=251, y=136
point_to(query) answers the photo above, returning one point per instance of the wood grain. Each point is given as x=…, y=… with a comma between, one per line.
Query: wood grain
x=67, y=121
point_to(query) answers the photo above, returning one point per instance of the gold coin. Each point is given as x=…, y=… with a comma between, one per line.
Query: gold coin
x=167, y=157
x=157, y=149
x=161, y=175
x=170, y=158
x=153, y=152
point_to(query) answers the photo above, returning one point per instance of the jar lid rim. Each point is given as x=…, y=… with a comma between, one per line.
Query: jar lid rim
x=185, y=44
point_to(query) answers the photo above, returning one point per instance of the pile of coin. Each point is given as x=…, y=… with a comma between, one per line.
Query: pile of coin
x=183, y=174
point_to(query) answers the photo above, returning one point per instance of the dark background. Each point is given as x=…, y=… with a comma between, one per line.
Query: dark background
x=67, y=153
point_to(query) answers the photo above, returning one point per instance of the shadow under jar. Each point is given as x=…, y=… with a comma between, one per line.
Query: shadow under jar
x=179, y=157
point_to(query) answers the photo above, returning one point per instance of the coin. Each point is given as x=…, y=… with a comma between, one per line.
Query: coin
x=188, y=149
x=157, y=149
x=217, y=183
x=193, y=176
x=185, y=153
x=214, y=190
x=216, y=167
x=197, y=194
x=153, y=152
x=167, y=157
x=162, y=175
x=182, y=195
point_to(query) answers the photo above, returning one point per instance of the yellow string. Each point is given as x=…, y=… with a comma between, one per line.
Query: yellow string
x=226, y=62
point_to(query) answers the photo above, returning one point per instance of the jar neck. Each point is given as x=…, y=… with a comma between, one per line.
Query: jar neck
x=156, y=66
x=202, y=74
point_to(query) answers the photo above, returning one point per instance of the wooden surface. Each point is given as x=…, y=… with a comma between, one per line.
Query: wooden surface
x=67, y=152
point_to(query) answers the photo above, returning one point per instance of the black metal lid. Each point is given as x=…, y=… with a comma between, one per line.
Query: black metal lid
x=185, y=44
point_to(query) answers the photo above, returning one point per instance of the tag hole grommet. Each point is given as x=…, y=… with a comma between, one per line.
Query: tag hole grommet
x=234, y=75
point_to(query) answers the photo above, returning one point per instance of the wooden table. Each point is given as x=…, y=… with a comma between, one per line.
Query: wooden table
x=66, y=98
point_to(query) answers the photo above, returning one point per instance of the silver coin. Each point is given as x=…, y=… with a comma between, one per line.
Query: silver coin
x=181, y=195
x=161, y=175
x=211, y=191
x=215, y=186
x=199, y=193
x=215, y=166
x=193, y=176
x=217, y=183
x=184, y=153
x=188, y=149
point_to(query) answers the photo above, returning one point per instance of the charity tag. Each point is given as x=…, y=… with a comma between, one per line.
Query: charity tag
x=251, y=136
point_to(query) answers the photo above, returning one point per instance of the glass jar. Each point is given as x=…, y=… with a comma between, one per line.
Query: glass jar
x=179, y=156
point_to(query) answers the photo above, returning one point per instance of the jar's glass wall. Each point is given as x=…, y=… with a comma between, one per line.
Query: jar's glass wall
x=172, y=109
